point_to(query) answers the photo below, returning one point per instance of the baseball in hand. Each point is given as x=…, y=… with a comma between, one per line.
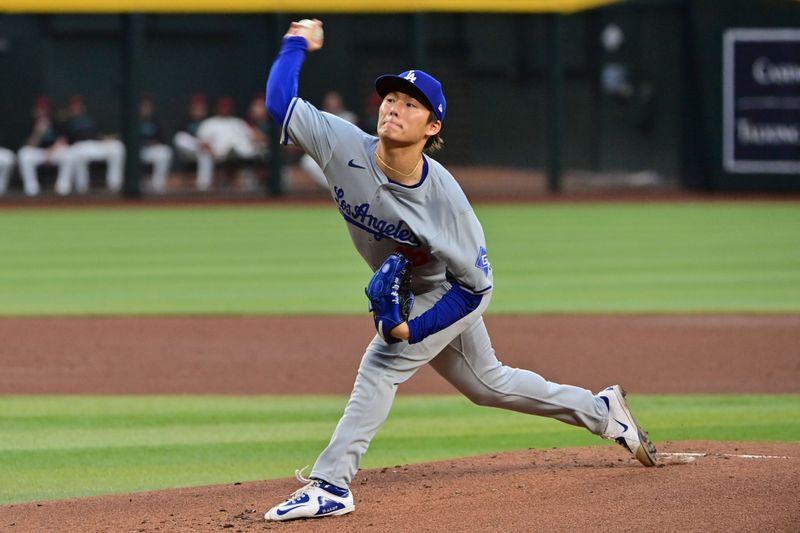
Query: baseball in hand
x=316, y=33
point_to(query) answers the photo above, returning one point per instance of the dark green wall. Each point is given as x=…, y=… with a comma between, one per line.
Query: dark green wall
x=21, y=75
x=493, y=67
x=64, y=55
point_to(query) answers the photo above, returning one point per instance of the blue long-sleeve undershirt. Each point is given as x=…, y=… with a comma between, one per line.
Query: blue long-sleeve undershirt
x=452, y=307
x=284, y=75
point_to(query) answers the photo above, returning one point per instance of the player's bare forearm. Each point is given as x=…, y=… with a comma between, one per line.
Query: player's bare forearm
x=401, y=331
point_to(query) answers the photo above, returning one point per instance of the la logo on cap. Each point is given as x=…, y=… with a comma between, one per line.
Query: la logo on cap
x=411, y=76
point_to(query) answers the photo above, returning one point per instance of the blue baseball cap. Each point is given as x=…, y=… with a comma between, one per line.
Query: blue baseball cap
x=418, y=84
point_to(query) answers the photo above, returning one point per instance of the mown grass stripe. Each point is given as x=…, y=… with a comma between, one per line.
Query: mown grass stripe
x=587, y=258
x=66, y=446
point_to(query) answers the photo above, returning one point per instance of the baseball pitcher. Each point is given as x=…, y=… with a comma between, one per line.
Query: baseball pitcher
x=413, y=225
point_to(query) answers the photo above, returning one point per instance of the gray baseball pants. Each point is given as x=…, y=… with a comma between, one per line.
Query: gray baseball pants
x=463, y=355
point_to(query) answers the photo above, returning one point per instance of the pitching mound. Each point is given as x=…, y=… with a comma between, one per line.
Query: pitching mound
x=701, y=486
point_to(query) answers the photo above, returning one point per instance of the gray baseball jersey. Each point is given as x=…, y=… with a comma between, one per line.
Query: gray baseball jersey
x=434, y=225
x=431, y=223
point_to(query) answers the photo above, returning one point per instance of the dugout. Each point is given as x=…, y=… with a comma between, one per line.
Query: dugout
x=530, y=84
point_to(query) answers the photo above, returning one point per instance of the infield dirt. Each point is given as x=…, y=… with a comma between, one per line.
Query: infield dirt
x=721, y=488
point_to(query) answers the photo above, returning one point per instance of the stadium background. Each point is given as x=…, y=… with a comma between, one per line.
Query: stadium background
x=524, y=87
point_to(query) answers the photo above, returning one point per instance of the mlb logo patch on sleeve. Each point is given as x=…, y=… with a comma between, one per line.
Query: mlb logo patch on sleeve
x=483, y=261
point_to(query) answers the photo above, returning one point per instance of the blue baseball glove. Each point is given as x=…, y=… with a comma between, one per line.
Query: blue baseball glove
x=389, y=294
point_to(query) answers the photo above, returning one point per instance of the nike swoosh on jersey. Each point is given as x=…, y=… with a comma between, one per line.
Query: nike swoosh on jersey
x=353, y=164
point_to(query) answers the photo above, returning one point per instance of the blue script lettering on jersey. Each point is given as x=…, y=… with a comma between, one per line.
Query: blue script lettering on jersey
x=359, y=216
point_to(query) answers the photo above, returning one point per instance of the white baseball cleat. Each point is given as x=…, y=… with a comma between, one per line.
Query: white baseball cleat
x=622, y=427
x=315, y=500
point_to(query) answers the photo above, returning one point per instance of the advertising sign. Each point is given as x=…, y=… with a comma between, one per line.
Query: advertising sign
x=761, y=101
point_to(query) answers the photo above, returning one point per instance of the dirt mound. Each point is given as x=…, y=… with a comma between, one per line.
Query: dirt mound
x=276, y=355
x=701, y=486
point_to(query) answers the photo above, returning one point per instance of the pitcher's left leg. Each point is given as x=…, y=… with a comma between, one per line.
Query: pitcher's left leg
x=383, y=368
x=379, y=375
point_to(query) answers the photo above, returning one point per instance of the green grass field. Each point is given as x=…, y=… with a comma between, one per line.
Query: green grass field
x=652, y=258
x=57, y=447
x=605, y=258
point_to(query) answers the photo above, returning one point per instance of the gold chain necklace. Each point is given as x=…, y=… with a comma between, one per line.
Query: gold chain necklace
x=395, y=170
